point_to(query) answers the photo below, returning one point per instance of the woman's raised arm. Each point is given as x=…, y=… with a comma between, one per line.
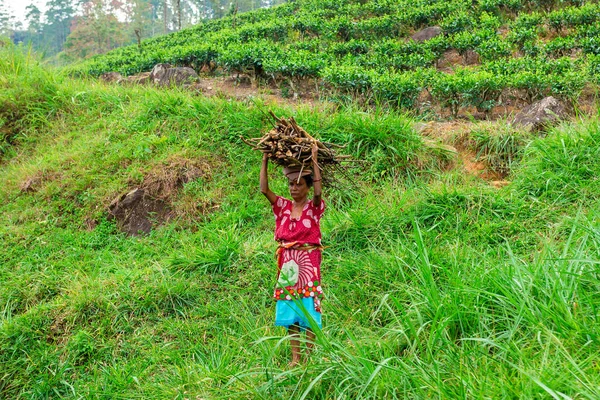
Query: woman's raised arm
x=316, y=177
x=264, y=181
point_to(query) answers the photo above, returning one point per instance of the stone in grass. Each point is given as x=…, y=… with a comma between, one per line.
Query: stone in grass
x=165, y=75
x=111, y=77
x=426, y=34
x=139, y=79
x=30, y=185
x=540, y=115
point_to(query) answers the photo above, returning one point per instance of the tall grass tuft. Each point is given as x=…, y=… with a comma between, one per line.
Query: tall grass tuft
x=563, y=167
x=500, y=149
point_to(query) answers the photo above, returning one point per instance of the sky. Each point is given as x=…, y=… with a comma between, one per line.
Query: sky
x=17, y=7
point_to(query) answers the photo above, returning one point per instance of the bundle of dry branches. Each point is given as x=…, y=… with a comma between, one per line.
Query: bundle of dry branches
x=287, y=144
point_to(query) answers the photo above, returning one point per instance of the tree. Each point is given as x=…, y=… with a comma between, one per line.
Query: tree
x=33, y=18
x=6, y=17
x=165, y=16
x=140, y=17
x=59, y=15
x=177, y=13
x=96, y=31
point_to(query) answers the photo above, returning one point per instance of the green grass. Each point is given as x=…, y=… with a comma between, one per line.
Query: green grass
x=437, y=285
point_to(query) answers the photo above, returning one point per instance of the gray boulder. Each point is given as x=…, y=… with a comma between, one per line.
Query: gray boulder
x=426, y=34
x=111, y=77
x=165, y=75
x=159, y=71
x=541, y=114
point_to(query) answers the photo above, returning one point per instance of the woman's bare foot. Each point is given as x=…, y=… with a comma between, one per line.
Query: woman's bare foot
x=294, y=332
x=293, y=363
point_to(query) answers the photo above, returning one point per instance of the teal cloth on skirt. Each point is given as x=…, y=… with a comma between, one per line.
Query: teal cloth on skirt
x=301, y=312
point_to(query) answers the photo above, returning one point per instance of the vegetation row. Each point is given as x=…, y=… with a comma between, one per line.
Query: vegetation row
x=364, y=49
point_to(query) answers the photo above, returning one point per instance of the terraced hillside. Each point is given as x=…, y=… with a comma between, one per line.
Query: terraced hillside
x=478, y=54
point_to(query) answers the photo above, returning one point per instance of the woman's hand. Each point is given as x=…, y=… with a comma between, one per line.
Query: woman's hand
x=314, y=151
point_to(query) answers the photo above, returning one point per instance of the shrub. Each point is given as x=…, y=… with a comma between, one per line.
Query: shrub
x=457, y=22
x=298, y=63
x=347, y=77
x=245, y=57
x=467, y=88
x=560, y=46
x=380, y=27
x=400, y=90
x=593, y=68
x=493, y=49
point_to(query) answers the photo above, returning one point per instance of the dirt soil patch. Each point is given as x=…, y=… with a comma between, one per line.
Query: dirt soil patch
x=150, y=204
x=457, y=134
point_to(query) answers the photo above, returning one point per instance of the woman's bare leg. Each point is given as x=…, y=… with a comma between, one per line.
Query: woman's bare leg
x=310, y=341
x=294, y=332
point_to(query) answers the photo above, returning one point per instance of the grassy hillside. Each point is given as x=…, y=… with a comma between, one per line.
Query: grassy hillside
x=437, y=284
x=489, y=52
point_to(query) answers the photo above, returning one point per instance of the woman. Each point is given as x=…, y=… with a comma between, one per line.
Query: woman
x=298, y=291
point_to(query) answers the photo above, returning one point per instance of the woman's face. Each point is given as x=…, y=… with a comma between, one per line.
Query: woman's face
x=298, y=189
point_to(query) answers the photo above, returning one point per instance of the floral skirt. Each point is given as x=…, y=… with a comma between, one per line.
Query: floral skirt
x=300, y=312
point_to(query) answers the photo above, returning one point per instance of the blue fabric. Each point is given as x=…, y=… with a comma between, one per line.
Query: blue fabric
x=301, y=312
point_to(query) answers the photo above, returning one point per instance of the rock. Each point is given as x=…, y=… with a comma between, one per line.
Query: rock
x=471, y=58
x=111, y=77
x=426, y=34
x=139, y=79
x=30, y=185
x=541, y=114
x=165, y=75
x=158, y=72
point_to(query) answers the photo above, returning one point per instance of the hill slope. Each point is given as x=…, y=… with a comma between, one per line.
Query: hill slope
x=437, y=284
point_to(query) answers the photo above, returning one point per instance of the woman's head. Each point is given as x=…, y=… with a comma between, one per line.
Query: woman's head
x=300, y=180
x=299, y=187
